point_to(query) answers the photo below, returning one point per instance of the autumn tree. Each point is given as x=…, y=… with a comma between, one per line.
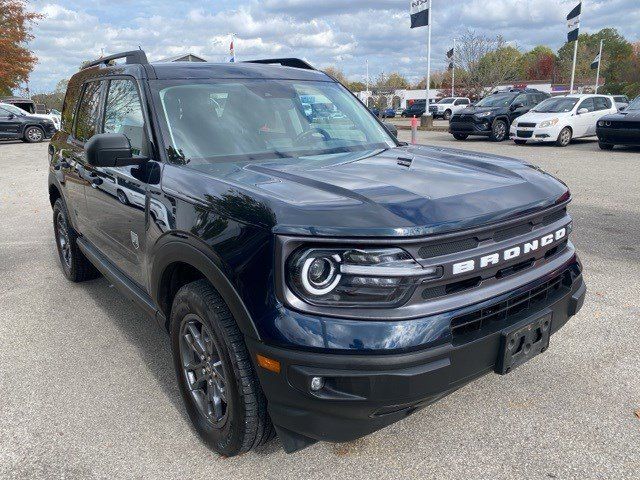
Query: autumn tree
x=16, y=60
x=538, y=64
x=337, y=74
x=357, y=86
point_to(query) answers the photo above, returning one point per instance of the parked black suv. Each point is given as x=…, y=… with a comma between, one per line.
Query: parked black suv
x=316, y=276
x=492, y=116
x=17, y=124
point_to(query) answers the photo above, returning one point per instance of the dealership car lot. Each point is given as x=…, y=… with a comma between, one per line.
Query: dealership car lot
x=87, y=387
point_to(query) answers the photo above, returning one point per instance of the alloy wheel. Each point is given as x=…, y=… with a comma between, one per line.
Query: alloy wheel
x=62, y=230
x=34, y=134
x=500, y=131
x=203, y=370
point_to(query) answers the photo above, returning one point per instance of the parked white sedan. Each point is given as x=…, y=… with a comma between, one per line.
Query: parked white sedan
x=561, y=119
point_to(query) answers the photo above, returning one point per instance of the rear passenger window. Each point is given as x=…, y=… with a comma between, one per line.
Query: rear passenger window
x=602, y=103
x=123, y=113
x=87, y=118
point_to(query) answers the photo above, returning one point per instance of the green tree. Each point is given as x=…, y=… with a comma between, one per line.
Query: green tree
x=617, y=58
x=499, y=66
x=396, y=81
x=357, y=86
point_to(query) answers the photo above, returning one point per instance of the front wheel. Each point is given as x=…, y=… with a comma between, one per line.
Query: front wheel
x=33, y=135
x=499, y=131
x=605, y=146
x=219, y=386
x=460, y=136
x=564, y=138
x=75, y=265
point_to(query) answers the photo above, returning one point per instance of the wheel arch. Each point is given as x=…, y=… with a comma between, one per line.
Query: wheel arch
x=180, y=261
x=54, y=193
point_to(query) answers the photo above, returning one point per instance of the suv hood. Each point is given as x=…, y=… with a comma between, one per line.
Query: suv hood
x=473, y=109
x=375, y=193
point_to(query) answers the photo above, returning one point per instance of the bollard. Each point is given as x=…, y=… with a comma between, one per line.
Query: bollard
x=414, y=130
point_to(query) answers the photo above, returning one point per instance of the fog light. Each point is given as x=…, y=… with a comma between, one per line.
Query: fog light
x=317, y=383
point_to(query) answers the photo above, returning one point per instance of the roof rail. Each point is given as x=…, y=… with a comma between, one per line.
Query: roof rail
x=136, y=57
x=285, y=62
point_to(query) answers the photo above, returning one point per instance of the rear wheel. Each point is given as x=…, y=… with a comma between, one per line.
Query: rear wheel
x=499, y=131
x=605, y=146
x=216, y=377
x=460, y=136
x=564, y=138
x=447, y=115
x=122, y=198
x=75, y=265
x=33, y=135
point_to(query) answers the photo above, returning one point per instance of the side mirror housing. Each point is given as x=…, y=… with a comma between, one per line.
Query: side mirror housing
x=393, y=130
x=582, y=111
x=516, y=106
x=111, y=150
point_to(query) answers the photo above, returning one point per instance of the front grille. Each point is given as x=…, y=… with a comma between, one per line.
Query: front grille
x=512, y=232
x=526, y=125
x=439, y=249
x=462, y=119
x=523, y=134
x=433, y=109
x=518, y=305
x=626, y=125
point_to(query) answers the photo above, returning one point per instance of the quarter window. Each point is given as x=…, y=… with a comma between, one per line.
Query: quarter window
x=123, y=113
x=88, y=112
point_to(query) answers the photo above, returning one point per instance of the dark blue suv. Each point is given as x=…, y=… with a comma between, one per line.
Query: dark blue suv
x=318, y=279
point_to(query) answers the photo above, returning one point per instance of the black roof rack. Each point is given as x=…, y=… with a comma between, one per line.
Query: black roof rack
x=136, y=57
x=285, y=62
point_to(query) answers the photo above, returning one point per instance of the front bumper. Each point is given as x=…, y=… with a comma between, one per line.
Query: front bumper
x=534, y=135
x=471, y=127
x=619, y=136
x=364, y=393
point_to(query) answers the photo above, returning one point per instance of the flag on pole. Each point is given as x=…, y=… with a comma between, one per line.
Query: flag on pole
x=232, y=53
x=419, y=13
x=450, y=55
x=596, y=62
x=573, y=23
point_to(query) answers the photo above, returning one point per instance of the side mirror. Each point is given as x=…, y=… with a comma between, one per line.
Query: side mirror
x=11, y=116
x=582, y=111
x=516, y=106
x=111, y=150
x=393, y=130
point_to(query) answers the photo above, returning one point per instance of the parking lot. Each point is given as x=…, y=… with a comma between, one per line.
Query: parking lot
x=87, y=387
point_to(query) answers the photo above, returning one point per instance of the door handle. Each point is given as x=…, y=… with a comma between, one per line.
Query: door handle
x=96, y=182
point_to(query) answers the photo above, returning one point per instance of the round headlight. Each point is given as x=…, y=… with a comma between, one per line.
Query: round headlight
x=601, y=123
x=320, y=275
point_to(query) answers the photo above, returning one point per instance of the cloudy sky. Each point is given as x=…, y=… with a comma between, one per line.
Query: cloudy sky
x=325, y=32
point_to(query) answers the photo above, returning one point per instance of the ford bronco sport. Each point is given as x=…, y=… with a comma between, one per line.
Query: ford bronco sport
x=318, y=278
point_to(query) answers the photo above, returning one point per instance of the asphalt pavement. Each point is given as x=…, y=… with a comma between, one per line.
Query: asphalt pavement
x=87, y=388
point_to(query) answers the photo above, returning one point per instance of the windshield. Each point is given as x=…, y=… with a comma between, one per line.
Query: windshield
x=446, y=100
x=557, y=105
x=235, y=120
x=635, y=105
x=498, y=100
x=13, y=109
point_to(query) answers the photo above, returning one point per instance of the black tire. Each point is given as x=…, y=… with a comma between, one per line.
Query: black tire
x=75, y=265
x=605, y=146
x=520, y=142
x=460, y=136
x=215, y=375
x=499, y=131
x=564, y=137
x=33, y=135
x=447, y=115
x=122, y=197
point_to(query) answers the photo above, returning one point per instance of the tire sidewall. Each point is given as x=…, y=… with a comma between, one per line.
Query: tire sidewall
x=493, y=131
x=560, y=143
x=29, y=140
x=60, y=208
x=227, y=437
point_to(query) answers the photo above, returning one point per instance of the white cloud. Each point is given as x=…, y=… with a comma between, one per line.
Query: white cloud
x=339, y=32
